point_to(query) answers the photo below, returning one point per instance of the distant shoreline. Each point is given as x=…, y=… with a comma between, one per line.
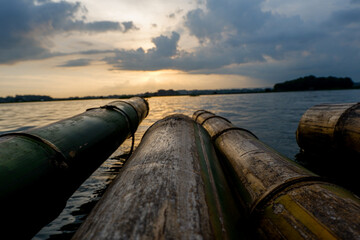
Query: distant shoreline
x=23, y=98
x=307, y=83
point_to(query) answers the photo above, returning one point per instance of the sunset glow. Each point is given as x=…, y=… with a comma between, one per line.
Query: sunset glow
x=79, y=48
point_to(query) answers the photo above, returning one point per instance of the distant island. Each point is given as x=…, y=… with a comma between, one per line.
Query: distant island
x=25, y=98
x=300, y=84
x=314, y=83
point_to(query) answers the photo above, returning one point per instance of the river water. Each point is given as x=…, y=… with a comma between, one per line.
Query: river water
x=272, y=117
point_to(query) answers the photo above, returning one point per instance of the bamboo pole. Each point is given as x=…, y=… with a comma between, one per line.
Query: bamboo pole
x=172, y=187
x=330, y=127
x=42, y=167
x=283, y=200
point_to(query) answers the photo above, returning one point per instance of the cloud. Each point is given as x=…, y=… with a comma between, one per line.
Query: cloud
x=174, y=14
x=250, y=35
x=27, y=27
x=236, y=35
x=244, y=25
x=77, y=63
x=128, y=26
x=346, y=18
x=158, y=57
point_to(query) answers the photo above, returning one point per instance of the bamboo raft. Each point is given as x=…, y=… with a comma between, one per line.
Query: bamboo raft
x=170, y=190
x=190, y=178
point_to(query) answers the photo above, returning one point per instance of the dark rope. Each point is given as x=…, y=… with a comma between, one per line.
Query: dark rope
x=132, y=129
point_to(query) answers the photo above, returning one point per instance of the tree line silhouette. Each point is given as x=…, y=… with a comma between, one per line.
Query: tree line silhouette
x=300, y=84
x=314, y=83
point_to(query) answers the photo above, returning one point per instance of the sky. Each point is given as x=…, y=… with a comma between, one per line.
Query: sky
x=91, y=47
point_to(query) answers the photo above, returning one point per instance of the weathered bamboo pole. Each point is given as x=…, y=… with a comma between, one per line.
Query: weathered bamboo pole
x=172, y=187
x=42, y=167
x=330, y=127
x=283, y=199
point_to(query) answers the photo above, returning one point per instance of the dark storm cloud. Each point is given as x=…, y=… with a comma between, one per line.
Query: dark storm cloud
x=26, y=27
x=346, y=18
x=257, y=37
x=231, y=32
x=250, y=31
x=239, y=37
x=221, y=17
x=155, y=58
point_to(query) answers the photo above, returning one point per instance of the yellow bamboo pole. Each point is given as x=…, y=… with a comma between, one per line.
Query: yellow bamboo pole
x=330, y=127
x=283, y=200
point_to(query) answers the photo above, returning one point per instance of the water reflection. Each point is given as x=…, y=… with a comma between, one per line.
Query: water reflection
x=17, y=116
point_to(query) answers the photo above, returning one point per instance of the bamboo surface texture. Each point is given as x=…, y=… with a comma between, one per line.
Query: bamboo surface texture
x=330, y=127
x=172, y=187
x=42, y=167
x=283, y=200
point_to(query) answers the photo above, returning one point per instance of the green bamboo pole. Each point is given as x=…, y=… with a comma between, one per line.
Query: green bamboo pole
x=42, y=167
x=283, y=200
x=172, y=187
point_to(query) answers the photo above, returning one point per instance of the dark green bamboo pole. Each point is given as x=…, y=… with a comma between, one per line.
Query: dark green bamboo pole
x=172, y=187
x=284, y=200
x=42, y=167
